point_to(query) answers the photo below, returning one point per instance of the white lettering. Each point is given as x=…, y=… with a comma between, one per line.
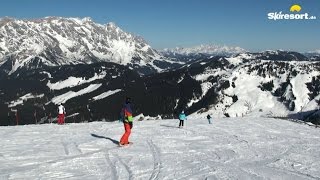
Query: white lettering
x=270, y=15
x=279, y=16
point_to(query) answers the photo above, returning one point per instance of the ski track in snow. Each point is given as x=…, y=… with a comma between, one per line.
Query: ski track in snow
x=125, y=167
x=156, y=160
x=230, y=148
x=114, y=173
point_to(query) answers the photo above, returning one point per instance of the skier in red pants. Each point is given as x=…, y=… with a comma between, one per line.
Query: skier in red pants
x=126, y=116
x=62, y=112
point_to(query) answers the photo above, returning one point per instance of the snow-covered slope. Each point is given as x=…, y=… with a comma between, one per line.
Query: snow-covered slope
x=230, y=148
x=271, y=83
x=255, y=85
x=53, y=41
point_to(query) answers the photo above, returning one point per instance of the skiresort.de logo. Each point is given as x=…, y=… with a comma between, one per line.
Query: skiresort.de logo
x=294, y=15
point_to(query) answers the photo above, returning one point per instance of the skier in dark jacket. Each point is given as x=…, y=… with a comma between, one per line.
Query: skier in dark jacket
x=209, y=118
x=126, y=116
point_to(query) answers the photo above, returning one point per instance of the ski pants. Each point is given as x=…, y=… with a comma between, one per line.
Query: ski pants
x=181, y=123
x=127, y=131
x=61, y=119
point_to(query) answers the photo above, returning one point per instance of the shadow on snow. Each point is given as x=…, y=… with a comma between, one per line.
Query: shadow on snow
x=103, y=137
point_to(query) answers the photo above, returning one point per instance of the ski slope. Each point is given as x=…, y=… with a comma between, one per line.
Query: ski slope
x=230, y=148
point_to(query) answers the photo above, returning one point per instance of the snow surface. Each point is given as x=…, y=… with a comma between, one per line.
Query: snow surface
x=251, y=98
x=300, y=90
x=47, y=73
x=230, y=148
x=74, y=81
x=23, y=98
x=245, y=97
x=106, y=94
x=71, y=94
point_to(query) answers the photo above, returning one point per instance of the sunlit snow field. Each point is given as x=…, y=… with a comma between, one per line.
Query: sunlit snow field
x=230, y=148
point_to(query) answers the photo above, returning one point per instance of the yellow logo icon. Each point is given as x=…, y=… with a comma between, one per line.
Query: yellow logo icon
x=295, y=8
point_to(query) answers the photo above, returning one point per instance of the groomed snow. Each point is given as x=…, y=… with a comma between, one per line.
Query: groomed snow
x=75, y=81
x=230, y=148
x=71, y=94
x=106, y=94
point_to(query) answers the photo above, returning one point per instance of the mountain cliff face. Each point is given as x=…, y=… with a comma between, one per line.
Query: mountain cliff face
x=55, y=41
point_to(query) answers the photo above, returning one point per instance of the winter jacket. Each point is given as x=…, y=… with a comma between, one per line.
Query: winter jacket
x=61, y=110
x=182, y=117
x=126, y=113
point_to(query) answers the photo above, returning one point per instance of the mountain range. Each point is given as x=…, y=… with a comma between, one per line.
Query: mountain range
x=91, y=68
x=208, y=49
x=56, y=41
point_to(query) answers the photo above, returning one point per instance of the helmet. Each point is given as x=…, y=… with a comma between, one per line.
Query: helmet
x=128, y=100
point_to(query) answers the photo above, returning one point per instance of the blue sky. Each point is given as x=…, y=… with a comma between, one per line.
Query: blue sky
x=171, y=23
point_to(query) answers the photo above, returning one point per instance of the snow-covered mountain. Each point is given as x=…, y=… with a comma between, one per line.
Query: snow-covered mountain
x=92, y=67
x=55, y=41
x=278, y=55
x=204, y=50
x=272, y=83
x=313, y=55
x=269, y=84
x=317, y=51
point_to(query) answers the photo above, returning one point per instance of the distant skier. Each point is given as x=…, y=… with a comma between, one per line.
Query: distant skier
x=62, y=112
x=209, y=118
x=182, y=118
x=126, y=117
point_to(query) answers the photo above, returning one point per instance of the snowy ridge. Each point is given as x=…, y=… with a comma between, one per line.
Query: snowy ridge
x=205, y=49
x=230, y=148
x=288, y=87
x=53, y=41
x=315, y=51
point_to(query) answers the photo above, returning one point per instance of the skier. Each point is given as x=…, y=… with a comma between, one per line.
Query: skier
x=126, y=116
x=62, y=112
x=209, y=118
x=182, y=118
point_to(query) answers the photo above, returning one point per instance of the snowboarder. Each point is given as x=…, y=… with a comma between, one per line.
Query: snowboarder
x=209, y=118
x=61, y=112
x=126, y=117
x=182, y=118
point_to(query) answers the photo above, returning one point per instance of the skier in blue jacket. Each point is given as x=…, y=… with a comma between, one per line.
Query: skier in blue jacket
x=182, y=118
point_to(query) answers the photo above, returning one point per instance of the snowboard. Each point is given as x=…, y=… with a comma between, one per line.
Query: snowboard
x=125, y=145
